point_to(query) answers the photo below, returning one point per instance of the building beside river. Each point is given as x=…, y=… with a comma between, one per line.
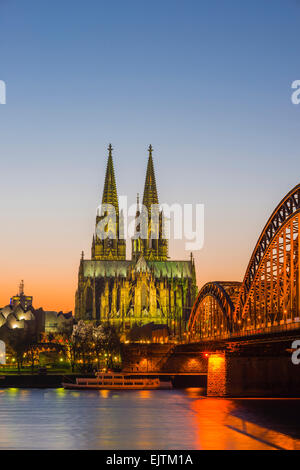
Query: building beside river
x=148, y=288
x=20, y=314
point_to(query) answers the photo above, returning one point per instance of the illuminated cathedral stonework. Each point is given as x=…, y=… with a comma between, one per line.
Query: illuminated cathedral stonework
x=147, y=288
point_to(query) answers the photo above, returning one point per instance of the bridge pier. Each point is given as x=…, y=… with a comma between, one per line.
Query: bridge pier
x=252, y=375
x=217, y=375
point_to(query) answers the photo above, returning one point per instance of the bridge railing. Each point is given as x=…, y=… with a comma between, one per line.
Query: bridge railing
x=295, y=325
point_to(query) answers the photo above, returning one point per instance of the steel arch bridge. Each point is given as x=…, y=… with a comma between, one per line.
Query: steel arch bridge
x=268, y=298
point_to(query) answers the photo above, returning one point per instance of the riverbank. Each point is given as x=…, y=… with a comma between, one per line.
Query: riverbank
x=55, y=380
x=35, y=380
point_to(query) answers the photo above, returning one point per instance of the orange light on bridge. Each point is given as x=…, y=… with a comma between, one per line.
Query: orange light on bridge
x=216, y=362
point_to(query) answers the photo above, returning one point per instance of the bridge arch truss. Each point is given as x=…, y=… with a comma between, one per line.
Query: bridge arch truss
x=268, y=297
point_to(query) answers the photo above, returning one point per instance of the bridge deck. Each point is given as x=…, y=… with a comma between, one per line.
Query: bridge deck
x=167, y=374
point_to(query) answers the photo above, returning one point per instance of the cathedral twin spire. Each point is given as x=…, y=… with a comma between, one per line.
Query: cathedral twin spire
x=110, y=195
x=150, y=197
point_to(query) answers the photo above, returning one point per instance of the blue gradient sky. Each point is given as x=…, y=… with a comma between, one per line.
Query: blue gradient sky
x=208, y=83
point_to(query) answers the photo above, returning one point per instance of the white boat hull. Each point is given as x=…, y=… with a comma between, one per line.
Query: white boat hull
x=118, y=381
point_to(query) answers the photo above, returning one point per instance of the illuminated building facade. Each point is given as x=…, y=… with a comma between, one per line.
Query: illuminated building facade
x=147, y=288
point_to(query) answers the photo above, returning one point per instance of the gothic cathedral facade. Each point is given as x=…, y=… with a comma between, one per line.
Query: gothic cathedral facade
x=149, y=287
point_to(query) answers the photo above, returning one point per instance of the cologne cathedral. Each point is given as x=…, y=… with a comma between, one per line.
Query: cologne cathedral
x=149, y=288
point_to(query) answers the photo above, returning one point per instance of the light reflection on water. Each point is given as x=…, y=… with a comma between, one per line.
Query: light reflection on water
x=160, y=419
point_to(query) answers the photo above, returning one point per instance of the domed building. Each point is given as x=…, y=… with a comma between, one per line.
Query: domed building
x=20, y=314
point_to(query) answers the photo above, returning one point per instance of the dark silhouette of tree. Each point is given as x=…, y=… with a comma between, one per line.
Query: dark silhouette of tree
x=111, y=343
x=70, y=343
x=32, y=352
x=20, y=341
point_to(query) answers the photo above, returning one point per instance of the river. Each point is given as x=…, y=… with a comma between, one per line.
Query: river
x=159, y=419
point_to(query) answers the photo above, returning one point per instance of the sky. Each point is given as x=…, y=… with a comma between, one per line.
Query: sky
x=207, y=83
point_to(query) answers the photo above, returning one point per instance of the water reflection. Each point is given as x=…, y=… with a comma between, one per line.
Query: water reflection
x=104, y=393
x=239, y=424
x=194, y=392
x=144, y=419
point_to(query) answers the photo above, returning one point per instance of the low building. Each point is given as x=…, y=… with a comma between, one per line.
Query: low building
x=151, y=332
x=57, y=321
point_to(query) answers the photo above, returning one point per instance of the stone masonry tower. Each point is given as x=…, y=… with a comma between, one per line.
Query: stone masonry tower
x=114, y=247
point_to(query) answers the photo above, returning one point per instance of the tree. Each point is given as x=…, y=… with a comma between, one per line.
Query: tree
x=21, y=341
x=98, y=342
x=69, y=340
x=111, y=343
x=32, y=352
x=88, y=342
x=82, y=336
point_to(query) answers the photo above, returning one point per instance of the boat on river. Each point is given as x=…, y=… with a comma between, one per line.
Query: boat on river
x=118, y=381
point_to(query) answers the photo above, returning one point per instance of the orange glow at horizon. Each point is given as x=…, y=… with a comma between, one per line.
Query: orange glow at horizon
x=51, y=277
x=53, y=288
